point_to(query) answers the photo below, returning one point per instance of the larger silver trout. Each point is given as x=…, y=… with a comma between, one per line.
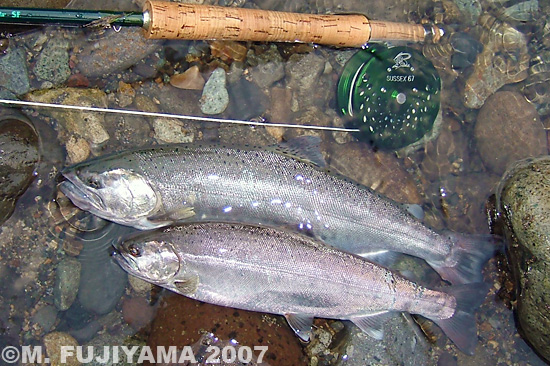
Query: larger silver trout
x=279, y=272
x=155, y=187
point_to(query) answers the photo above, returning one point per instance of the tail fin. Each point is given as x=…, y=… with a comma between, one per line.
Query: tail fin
x=467, y=258
x=461, y=327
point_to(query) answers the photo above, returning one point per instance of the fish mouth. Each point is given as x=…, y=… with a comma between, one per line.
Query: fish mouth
x=127, y=263
x=81, y=195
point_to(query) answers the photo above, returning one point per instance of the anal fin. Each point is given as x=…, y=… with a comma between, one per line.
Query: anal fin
x=372, y=323
x=301, y=325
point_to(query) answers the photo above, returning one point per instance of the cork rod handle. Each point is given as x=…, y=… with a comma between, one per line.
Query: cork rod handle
x=169, y=20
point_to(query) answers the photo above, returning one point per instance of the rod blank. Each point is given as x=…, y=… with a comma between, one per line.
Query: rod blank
x=67, y=16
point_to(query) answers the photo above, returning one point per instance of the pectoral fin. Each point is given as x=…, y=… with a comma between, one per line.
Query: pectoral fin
x=173, y=216
x=301, y=325
x=187, y=286
x=372, y=324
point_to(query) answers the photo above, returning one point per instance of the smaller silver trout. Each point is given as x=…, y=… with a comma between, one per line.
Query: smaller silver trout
x=273, y=271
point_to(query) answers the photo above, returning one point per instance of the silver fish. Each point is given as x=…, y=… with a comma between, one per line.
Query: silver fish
x=281, y=272
x=160, y=186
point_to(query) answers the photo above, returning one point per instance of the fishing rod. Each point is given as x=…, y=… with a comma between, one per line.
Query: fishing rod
x=169, y=20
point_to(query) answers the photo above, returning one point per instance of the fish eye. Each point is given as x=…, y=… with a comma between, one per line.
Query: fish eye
x=135, y=252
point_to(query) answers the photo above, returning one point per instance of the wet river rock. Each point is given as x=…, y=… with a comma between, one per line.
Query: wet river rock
x=19, y=155
x=381, y=171
x=87, y=125
x=508, y=129
x=525, y=205
x=114, y=52
x=181, y=321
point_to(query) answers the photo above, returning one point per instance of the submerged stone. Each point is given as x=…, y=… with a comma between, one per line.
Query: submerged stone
x=53, y=62
x=524, y=198
x=181, y=321
x=504, y=60
x=19, y=156
x=66, y=283
x=215, y=97
x=401, y=345
x=89, y=125
x=189, y=79
x=13, y=71
x=102, y=283
x=54, y=343
x=45, y=317
x=115, y=52
x=508, y=128
x=380, y=171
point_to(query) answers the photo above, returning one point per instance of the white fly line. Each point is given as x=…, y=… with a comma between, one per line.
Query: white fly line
x=170, y=115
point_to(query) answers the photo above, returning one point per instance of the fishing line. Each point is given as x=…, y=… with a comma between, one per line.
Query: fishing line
x=177, y=116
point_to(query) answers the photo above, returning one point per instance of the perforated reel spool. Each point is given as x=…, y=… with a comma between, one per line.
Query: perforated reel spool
x=390, y=94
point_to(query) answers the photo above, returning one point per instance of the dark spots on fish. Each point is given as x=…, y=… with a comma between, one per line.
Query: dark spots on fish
x=271, y=356
x=260, y=340
x=232, y=335
x=235, y=313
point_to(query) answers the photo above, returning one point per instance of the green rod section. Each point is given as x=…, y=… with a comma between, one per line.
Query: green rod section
x=68, y=17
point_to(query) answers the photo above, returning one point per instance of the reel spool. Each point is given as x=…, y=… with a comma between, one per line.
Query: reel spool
x=390, y=94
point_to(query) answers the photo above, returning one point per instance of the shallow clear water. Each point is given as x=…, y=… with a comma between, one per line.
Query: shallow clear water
x=450, y=176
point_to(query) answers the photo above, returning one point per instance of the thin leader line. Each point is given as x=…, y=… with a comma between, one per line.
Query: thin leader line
x=178, y=116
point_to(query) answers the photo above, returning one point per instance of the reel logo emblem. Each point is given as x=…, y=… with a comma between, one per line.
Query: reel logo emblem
x=401, y=60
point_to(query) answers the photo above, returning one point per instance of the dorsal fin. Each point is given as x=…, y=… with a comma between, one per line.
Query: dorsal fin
x=305, y=148
x=415, y=210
